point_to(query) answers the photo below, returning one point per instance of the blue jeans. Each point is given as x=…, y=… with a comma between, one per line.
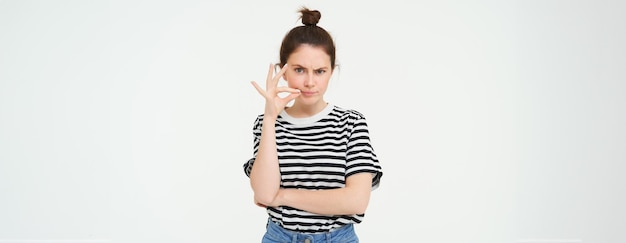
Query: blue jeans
x=277, y=234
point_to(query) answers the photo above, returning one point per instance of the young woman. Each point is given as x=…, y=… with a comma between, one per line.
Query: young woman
x=313, y=166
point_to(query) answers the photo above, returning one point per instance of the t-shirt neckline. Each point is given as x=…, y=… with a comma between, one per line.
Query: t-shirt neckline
x=307, y=120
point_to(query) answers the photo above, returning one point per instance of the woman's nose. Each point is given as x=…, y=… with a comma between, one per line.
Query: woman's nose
x=308, y=82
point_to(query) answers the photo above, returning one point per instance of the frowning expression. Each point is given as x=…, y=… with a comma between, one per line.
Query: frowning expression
x=309, y=70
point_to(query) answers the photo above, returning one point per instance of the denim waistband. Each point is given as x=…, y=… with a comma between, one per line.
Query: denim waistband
x=343, y=234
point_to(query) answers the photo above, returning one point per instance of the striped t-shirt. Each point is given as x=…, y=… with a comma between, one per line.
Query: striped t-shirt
x=318, y=153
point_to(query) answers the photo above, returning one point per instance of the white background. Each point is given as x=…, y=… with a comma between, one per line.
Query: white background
x=494, y=121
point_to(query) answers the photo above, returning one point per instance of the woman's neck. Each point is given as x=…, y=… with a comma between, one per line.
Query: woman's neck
x=299, y=111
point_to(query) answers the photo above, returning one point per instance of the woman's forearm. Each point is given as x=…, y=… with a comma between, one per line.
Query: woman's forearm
x=351, y=199
x=265, y=173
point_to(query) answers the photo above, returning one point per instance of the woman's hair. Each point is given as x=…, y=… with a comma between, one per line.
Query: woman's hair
x=310, y=34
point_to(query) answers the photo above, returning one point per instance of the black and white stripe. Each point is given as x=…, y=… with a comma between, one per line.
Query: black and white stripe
x=317, y=153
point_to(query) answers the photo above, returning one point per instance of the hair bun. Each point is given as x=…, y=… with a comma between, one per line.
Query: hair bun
x=310, y=17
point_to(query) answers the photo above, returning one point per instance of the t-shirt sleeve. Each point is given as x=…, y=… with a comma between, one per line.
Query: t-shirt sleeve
x=256, y=134
x=360, y=156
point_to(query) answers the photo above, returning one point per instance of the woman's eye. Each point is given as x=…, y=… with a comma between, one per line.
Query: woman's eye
x=320, y=71
x=299, y=70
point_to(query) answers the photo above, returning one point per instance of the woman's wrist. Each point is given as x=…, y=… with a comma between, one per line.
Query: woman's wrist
x=269, y=120
x=279, y=200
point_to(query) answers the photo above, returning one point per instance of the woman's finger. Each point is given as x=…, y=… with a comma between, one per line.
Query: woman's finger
x=270, y=75
x=258, y=88
x=284, y=89
x=290, y=97
x=280, y=74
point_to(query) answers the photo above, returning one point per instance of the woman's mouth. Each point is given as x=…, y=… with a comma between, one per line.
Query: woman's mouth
x=308, y=93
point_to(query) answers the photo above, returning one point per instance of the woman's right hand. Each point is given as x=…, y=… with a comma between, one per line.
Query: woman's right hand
x=274, y=104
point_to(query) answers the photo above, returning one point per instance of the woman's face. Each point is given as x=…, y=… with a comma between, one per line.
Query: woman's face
x=309, y=70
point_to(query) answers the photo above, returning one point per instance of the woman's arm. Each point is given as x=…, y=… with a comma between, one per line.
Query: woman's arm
x=351, y=199
x=265, y=173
